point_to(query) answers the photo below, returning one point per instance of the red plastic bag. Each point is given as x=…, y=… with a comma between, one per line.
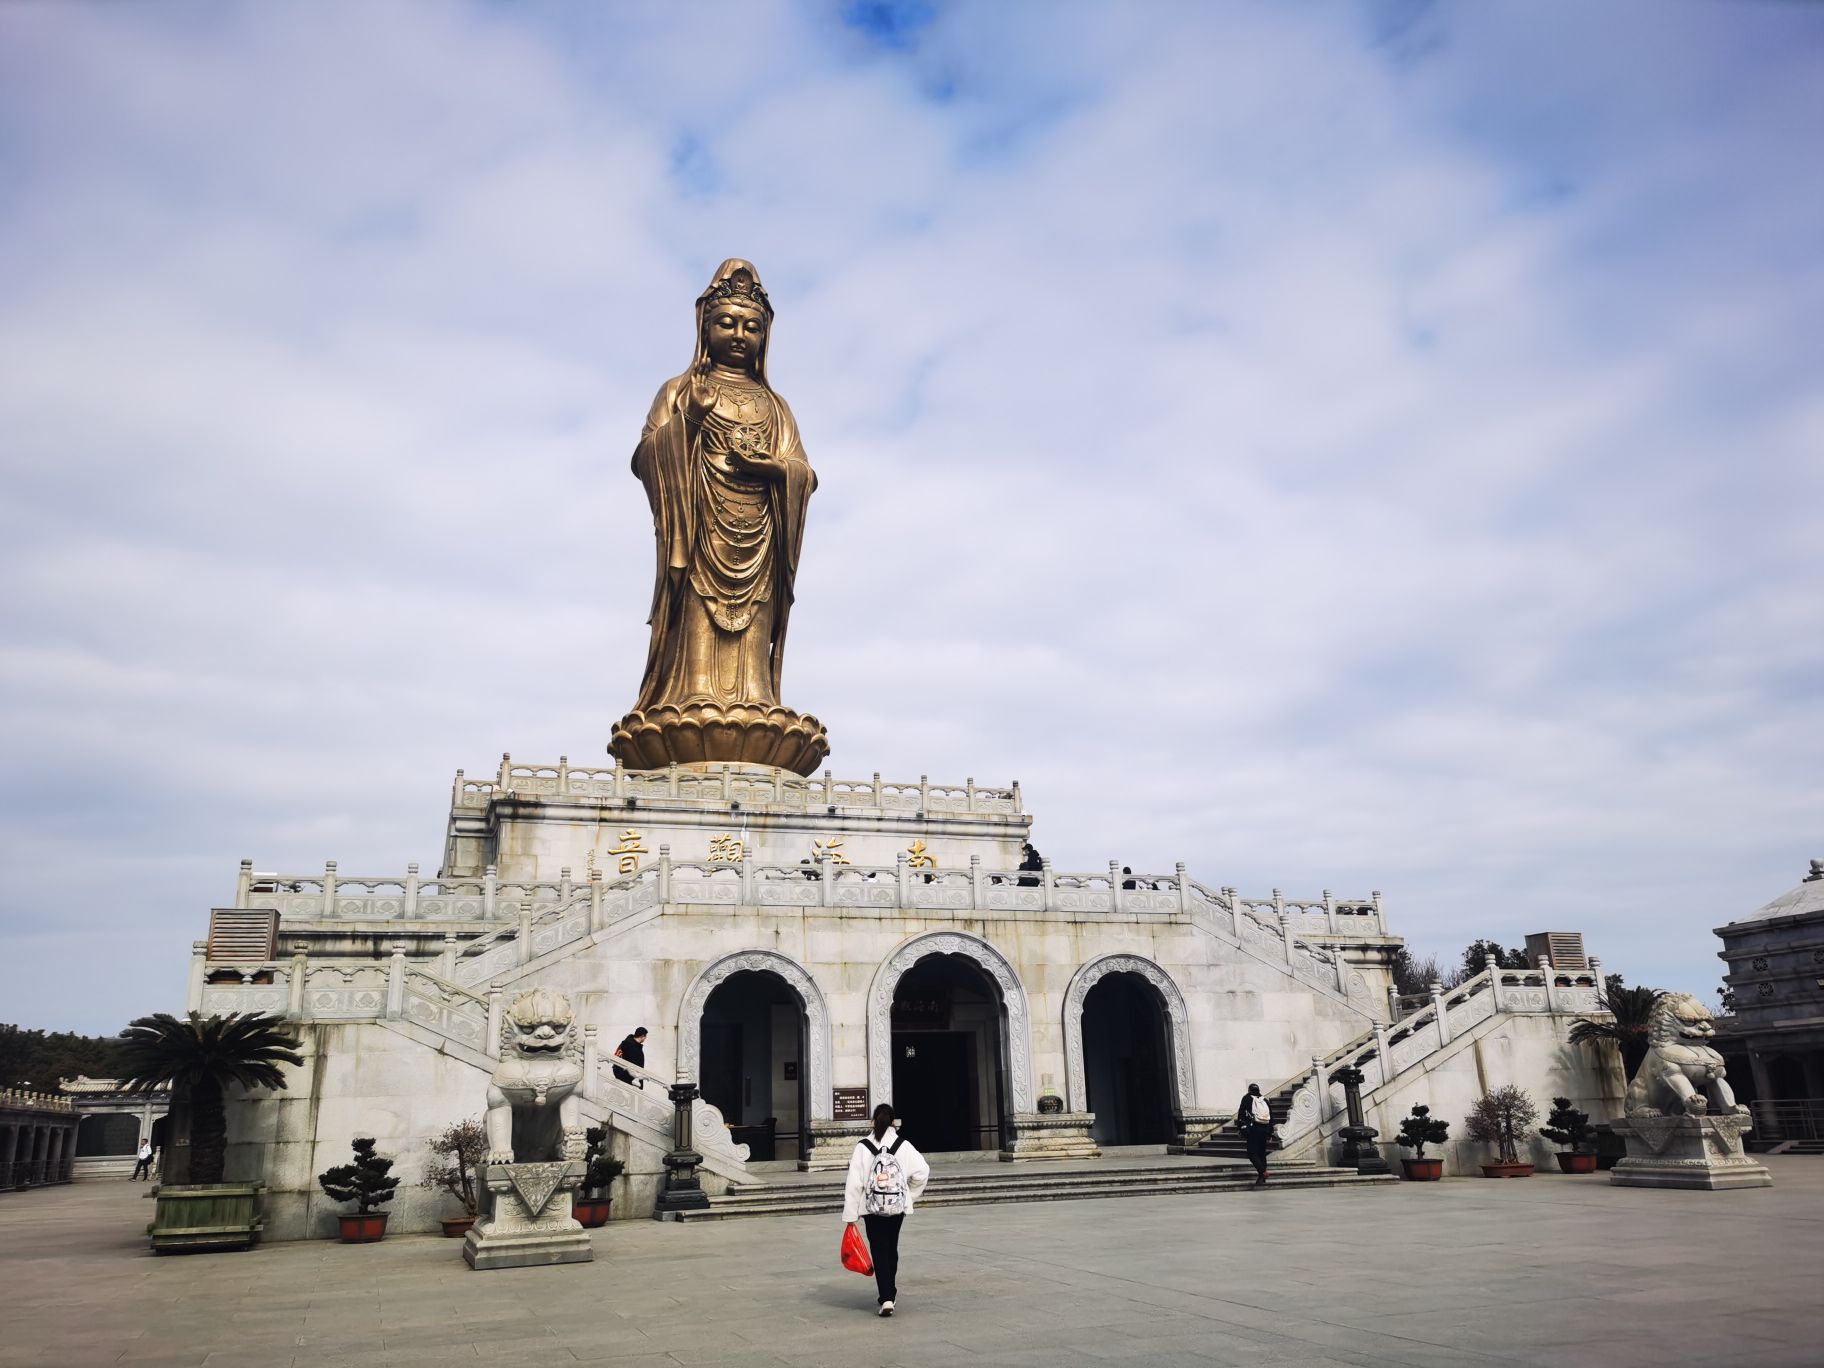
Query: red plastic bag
x=855, y=1256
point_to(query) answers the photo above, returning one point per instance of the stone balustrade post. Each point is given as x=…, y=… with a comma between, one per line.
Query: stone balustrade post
x=1342, y=969
x=671, y=776
x=595, y=900
x=243, y=885
x=877, y=793
x=1494, y=987
x=199, y=973
x=411, y=891
x=1393, y=1002
x=1321, y=1075
x=1184, y=890
x=496, y=1019
x=300, y=973
x=506, y=771
x=1049, y=882
x=1018, y=802
x=1380, y=1051
x=969, y=790
x=1437, y=1006
x=456, y=790
x=902, y=879
x=395, y=982
x=978, y=894
x=829, y=789
x=924, y=794
x=490, y=885
x=1551, y=994
x=1114, y=885
x=826, y=893
x=1596, y=972
x=525, y=934
x=563, y=774
x=329, y=888
x=447, y=958
x=1285, y=927
x=665, y=864
x=1330, y=910
x=563, y=886
x=591, y=1050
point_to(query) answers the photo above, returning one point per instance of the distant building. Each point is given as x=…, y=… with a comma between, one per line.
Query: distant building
x=1776, y=977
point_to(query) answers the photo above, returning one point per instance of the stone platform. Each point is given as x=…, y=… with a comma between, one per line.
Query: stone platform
x=1699, y=1152
x=527, y=1222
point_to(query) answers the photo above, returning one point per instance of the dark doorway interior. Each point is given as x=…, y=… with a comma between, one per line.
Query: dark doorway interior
x=946, y=1055
x=1125, y=1061
x=752, y=1062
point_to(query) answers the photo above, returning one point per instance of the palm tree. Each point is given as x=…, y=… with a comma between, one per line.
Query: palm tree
x=199, y=1057
x=1633, y=1010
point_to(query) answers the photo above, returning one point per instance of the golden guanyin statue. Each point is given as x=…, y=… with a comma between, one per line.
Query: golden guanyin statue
x=728, y=483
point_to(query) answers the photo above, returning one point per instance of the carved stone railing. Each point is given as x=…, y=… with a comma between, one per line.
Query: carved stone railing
x=1388, y=1051
x=731, y=785
x=23, y=1099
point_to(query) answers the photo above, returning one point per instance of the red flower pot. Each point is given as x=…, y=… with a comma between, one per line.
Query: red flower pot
x=455, y=1227
x=1423, y=1170
x=1507, y=1170
x=592, y=1212
x=364, y=1228
x=1577, y=1163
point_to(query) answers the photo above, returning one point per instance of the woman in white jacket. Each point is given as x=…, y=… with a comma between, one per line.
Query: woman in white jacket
x=886, y=1176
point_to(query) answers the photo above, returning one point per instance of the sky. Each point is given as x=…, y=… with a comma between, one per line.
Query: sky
x=1364, y=447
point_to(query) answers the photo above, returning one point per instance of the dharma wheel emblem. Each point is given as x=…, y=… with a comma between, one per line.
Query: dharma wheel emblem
x=747, y=440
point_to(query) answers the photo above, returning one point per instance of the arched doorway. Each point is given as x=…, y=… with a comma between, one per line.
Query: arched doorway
x=751, y=1062
x=948, y=1045
x=1125, y=1053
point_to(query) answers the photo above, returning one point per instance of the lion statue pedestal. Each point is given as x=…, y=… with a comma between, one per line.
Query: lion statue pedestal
x=535, y=1142
x=1683, y=1127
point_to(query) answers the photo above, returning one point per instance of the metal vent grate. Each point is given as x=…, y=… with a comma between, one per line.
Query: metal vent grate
x=243, y=933
x=1563, y=948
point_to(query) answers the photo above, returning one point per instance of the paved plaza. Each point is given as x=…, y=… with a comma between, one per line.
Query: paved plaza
x=1549, y=1270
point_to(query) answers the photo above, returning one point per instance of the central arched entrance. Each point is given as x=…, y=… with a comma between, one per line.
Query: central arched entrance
x=751, y=1061
x=948, y=1045
x=1125, y=1053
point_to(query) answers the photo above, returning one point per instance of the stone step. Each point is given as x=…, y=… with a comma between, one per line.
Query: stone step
x=800, y=1199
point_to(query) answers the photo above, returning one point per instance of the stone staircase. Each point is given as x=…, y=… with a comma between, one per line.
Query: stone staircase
x=973, y=1184
x=1227, y=1142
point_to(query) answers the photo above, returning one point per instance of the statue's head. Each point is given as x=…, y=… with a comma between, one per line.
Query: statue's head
x=540, y=1023
x=735, y=319
x=1681, y=1017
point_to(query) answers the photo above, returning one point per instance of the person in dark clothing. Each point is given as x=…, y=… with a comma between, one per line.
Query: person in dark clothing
x=633, y=1050
x=1032, y=866
x=1254, y=1119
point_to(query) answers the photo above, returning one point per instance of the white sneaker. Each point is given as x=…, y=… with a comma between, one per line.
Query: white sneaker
x=886, y=1308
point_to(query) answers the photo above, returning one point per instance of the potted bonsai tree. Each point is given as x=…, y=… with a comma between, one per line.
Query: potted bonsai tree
x=1500, y=1119
x=1418, y=1130
x=592, y=1207
x=1571, y=1129
x=201, y=1058
x=367, y=1183
x=457, y=1151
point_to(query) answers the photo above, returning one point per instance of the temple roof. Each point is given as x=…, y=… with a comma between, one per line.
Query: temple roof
x=1806, y=899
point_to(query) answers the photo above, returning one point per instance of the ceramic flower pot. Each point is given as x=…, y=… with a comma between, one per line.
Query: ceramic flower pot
x=364, y=1227
x=1507, y=1170
x=1423, y=1170
x=455, y=1227
x=1576, y=1163
x=591, y=1212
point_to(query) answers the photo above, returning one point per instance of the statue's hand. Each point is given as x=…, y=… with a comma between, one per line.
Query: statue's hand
x=699, y=395
x=761, y=463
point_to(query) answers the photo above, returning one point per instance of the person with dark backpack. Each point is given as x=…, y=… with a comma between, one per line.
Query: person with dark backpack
x=886, y=1176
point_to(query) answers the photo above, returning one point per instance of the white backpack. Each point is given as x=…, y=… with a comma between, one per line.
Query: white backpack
x=886, y=1191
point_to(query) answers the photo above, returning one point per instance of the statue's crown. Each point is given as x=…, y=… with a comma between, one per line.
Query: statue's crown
x=739, y=288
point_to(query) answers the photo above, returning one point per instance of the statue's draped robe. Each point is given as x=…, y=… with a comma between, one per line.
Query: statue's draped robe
x=727, y=553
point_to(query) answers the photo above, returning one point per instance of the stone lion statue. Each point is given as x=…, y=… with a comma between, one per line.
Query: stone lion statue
x=1681, y=1072
x=534, y=1113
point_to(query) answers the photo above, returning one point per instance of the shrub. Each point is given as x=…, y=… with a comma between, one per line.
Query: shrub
x=1567, y=1126
x=1420, y=1129
x=603, y=1168
x=365, y=1181
x=459, y=1149
x=1500, y=1118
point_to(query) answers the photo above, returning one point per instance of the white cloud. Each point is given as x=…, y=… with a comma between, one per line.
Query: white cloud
x=1328, y=460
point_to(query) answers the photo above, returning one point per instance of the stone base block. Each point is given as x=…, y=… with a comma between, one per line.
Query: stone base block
x=1698, y=1152
x=1049, y=1135
x=832, y=1142
x=526, y=1220
x=1194, y=1127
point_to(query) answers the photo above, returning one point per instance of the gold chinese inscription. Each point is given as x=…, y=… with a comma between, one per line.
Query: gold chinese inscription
x=917, y=857
x=729, y=849
x=830, y=850
x=630, y=851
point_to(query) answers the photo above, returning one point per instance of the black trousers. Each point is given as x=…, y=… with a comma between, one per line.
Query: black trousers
x=144, y=1166
x=883, y=1248
x=1256, y=1137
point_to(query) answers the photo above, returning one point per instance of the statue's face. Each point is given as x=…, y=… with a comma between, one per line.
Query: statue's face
x=736, y=333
